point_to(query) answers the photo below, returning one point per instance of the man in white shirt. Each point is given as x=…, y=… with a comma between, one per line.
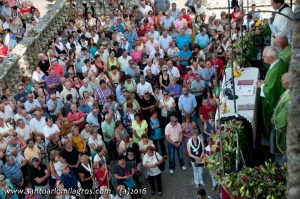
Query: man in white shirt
x=69, y=90
x=149, y=46
x=37, y=123
x=167, y=21
x=144, y=8
x=172, y=70
x=153, y=33
x=282, y=24
x=123, y=61
x=164, y=40
x=49, y=130
x=154, y=69
x=196, y=69
x=31, y=104
x=23, y=130
x=103, y=53
x=200, y=9
x=157, y=49
x=143, y=86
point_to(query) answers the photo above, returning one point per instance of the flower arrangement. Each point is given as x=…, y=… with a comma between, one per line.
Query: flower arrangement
x=266, y=181
x=229, y=130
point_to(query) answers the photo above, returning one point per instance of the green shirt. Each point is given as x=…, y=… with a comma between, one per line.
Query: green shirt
x=281, y=121
x=129, y=86
x=108, y=128
x=140, y=129
x=285, y=55
x=272, y=90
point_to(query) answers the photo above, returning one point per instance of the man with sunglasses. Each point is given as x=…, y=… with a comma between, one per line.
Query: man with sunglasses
x=173, y=132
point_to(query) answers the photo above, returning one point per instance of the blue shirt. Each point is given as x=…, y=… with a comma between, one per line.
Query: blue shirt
x=182, y=40
x=85, y=109
x=202, y=40
x=183, y=54
x=176, y=90
x=156, y=134
x=207, y=74
x=187, y=103
x=131, y=37
x=69, y=180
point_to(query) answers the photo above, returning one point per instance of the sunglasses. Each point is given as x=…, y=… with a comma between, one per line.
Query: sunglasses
x=164, y=70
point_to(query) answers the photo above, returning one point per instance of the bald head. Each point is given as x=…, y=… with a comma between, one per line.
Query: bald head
x=285, y=80
x=281, y=41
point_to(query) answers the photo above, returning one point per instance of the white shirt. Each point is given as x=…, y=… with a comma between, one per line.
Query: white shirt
x=154, y=69
x=201, y=10
x=30, y=105
x=199, y=70
x=282, y=24
x=124, y=62
x=168, y=103
x=164, y=42
x=37, y=125
x=155, y=158
x=48, y=131
x=145, y=10
x=155, y=35
x=4, y=130
x=25, y=132
x=174, y=72
x=65, y=92
x=149, y=46
x=141, y=88
x=161, y=52
x=262, y=94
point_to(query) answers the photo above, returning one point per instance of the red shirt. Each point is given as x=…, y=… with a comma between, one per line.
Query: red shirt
x=99, y=175
x=58, y=69
x=203, y=110
x=3, y=51
x=73, y=117
x=23, y=11
x=219, y=67
x=188, y=19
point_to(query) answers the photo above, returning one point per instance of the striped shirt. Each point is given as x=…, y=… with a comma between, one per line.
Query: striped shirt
x=101, y=95
x=13, y=171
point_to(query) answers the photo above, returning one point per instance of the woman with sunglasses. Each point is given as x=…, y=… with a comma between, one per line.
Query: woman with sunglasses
x=164, y=78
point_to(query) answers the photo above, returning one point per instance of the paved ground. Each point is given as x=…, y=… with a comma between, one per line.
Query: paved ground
x=180, y=185
x=43, y=5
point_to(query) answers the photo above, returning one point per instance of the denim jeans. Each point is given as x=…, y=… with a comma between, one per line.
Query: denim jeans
x=171, y=151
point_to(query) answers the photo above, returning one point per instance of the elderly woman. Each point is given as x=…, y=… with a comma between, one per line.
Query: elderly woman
x=54, y=165
x=38, y=76
x=174, y=89
x=44, y=63
x=114, y=76
x=70, y=155
x=151, y=161
x=195, y=148
x=86, y=175
x=95, y=141
x=187, y=127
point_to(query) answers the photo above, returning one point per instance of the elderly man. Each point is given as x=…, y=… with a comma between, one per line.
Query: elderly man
x=282, y=24
x=142, y=87
x=12, y=171
x=69, y=90
x=156, y=50
x=271, y=87
x=55, y=106
x=149, y=46
x=280, y=121
x=50, y=129
x=281, y=43
x=187, y=104
x=150, y=66
x=167, y=21
x=173, y=71
x=164, y=40
x=39, y=175
x=173, y=132
x=202, y=39
x=94, y=117
x=37, y=123
x=108, y=129
x=31, y=104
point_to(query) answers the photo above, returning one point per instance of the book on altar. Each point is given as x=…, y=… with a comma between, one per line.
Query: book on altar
x=245, y=90
x=245, y=82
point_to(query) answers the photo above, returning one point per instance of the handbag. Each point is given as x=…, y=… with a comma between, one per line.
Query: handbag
x=162, y=165
x=172, y=113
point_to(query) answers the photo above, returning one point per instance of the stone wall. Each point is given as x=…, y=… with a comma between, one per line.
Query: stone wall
x=23, y=57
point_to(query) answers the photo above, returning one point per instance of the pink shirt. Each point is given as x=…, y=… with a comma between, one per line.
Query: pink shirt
x=73, y=117
x=174, y=132
x=179, y=23
x=136, y=56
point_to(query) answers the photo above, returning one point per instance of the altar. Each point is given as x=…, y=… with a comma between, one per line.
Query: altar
x=248, y=96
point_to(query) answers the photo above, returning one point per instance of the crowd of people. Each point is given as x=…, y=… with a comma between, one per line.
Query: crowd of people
x=15, y=18
x=116, y=97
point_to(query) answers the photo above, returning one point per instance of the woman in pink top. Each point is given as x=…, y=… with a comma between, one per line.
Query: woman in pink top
x=136, y=54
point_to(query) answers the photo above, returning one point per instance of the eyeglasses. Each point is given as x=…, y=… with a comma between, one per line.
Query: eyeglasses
x=131, y=63
x=164, y=70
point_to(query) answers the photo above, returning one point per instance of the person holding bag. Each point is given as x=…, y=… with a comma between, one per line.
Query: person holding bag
x=154, y=162
x=195, y=148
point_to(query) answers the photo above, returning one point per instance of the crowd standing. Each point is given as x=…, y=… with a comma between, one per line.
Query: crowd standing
x=15, y=18
x=116, y=97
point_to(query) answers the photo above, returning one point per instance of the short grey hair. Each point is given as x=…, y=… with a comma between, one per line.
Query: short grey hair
x=271, y=52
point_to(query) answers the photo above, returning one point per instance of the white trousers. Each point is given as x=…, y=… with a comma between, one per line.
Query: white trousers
x=197, y=171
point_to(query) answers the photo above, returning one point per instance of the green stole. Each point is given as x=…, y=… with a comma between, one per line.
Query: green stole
x=285, y=55
x=281, y=121
x=272, y=90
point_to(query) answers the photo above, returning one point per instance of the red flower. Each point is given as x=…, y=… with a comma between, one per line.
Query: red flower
x=228, y=130
x=245, y=179
x=225, y=158
x=222, y=128
x=218, y=149
x=219, y=143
